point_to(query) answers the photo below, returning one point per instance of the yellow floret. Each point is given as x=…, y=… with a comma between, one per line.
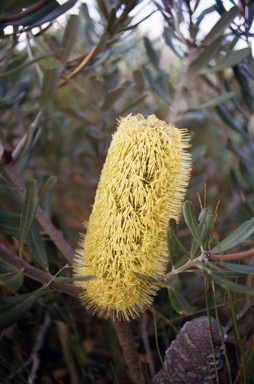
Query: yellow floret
x=142, y=186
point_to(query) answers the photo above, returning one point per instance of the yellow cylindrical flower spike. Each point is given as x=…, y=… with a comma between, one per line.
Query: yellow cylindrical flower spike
x=142, y=186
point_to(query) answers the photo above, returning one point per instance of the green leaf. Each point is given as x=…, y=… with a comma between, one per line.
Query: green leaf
x=205, y=222
x=70, y=37
x=158, y=86
x=247, y=173
x=29, y=210
x=240, y=152
x=198, y=151
x=226, y=19
x=48, y=186
x=114, y=95
x=143, y=277
x=49, y=86
x=240, y=268
x=12, y=312
x=238, y=236
x=213, y=103
x=36, y=247
x=26, y=64
x=102, y=44
x=152, y=55
x=191, y=222
x=16, y=93
x=177, y=242
x=173, y=282
x=232, y=59
x=170, y=242
x=12, y=280
x=196, y=182
x=204, y=58
x=9, y=223
x=228, y=118
x=229, y=285
x=179, y=303
x=111, y=19
x=68, y=280
x=169, y=37
x=48, y=16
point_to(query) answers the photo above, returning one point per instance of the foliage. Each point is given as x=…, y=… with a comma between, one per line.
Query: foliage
x=61, y=91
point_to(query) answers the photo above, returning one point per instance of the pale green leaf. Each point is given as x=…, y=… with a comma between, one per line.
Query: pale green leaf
x=29, y=210
x=238, y=236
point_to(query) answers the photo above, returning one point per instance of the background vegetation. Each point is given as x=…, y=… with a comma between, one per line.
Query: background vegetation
x=62, y=90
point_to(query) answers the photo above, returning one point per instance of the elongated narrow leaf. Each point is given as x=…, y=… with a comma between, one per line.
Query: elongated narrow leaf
x=26, y=64
x=70, y=37
x=178, y=243
x=240, y=268
x=232, y=59
x=29, y=210
x=9, y=223
x=204, y=227
x=170, y=40
x=238, y=236
x=36, y=247
x=113, y=95
x=12, y=312
x=179, y=303
x=52, y=15
x=152, y=55
x=49, y=85
x=196, y=182
x=158, y=86
x=173, y=282
x=192, y=222
x=228, y=118
x=143, y=277
x=226, y=19
x=48, y=186
x=170, y=242
x=231, y=286
x=64, y=280
x=247, y=173
x=205, y=56
x=12, y=280
x=214, y=102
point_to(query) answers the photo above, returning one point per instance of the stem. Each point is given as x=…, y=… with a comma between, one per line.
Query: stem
x=206, y=256
x=127, y=342
x=15, y=261
x=146, y=344
x=232, y=256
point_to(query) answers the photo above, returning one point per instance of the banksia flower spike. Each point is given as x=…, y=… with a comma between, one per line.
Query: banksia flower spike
x=142, y=186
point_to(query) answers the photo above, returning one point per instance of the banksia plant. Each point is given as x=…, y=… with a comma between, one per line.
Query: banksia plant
x=195, y=355
x=142, y=186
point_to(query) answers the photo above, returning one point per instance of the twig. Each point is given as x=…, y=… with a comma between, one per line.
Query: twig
x=127, y=342
x=146, y=344
x=34, y=273
x=63, y=337
x=39, y=342
x=42, y=218
x=232, y=256
x=205, y=257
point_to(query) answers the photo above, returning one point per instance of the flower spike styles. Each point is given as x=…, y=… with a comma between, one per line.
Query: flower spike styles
x=142, y=186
